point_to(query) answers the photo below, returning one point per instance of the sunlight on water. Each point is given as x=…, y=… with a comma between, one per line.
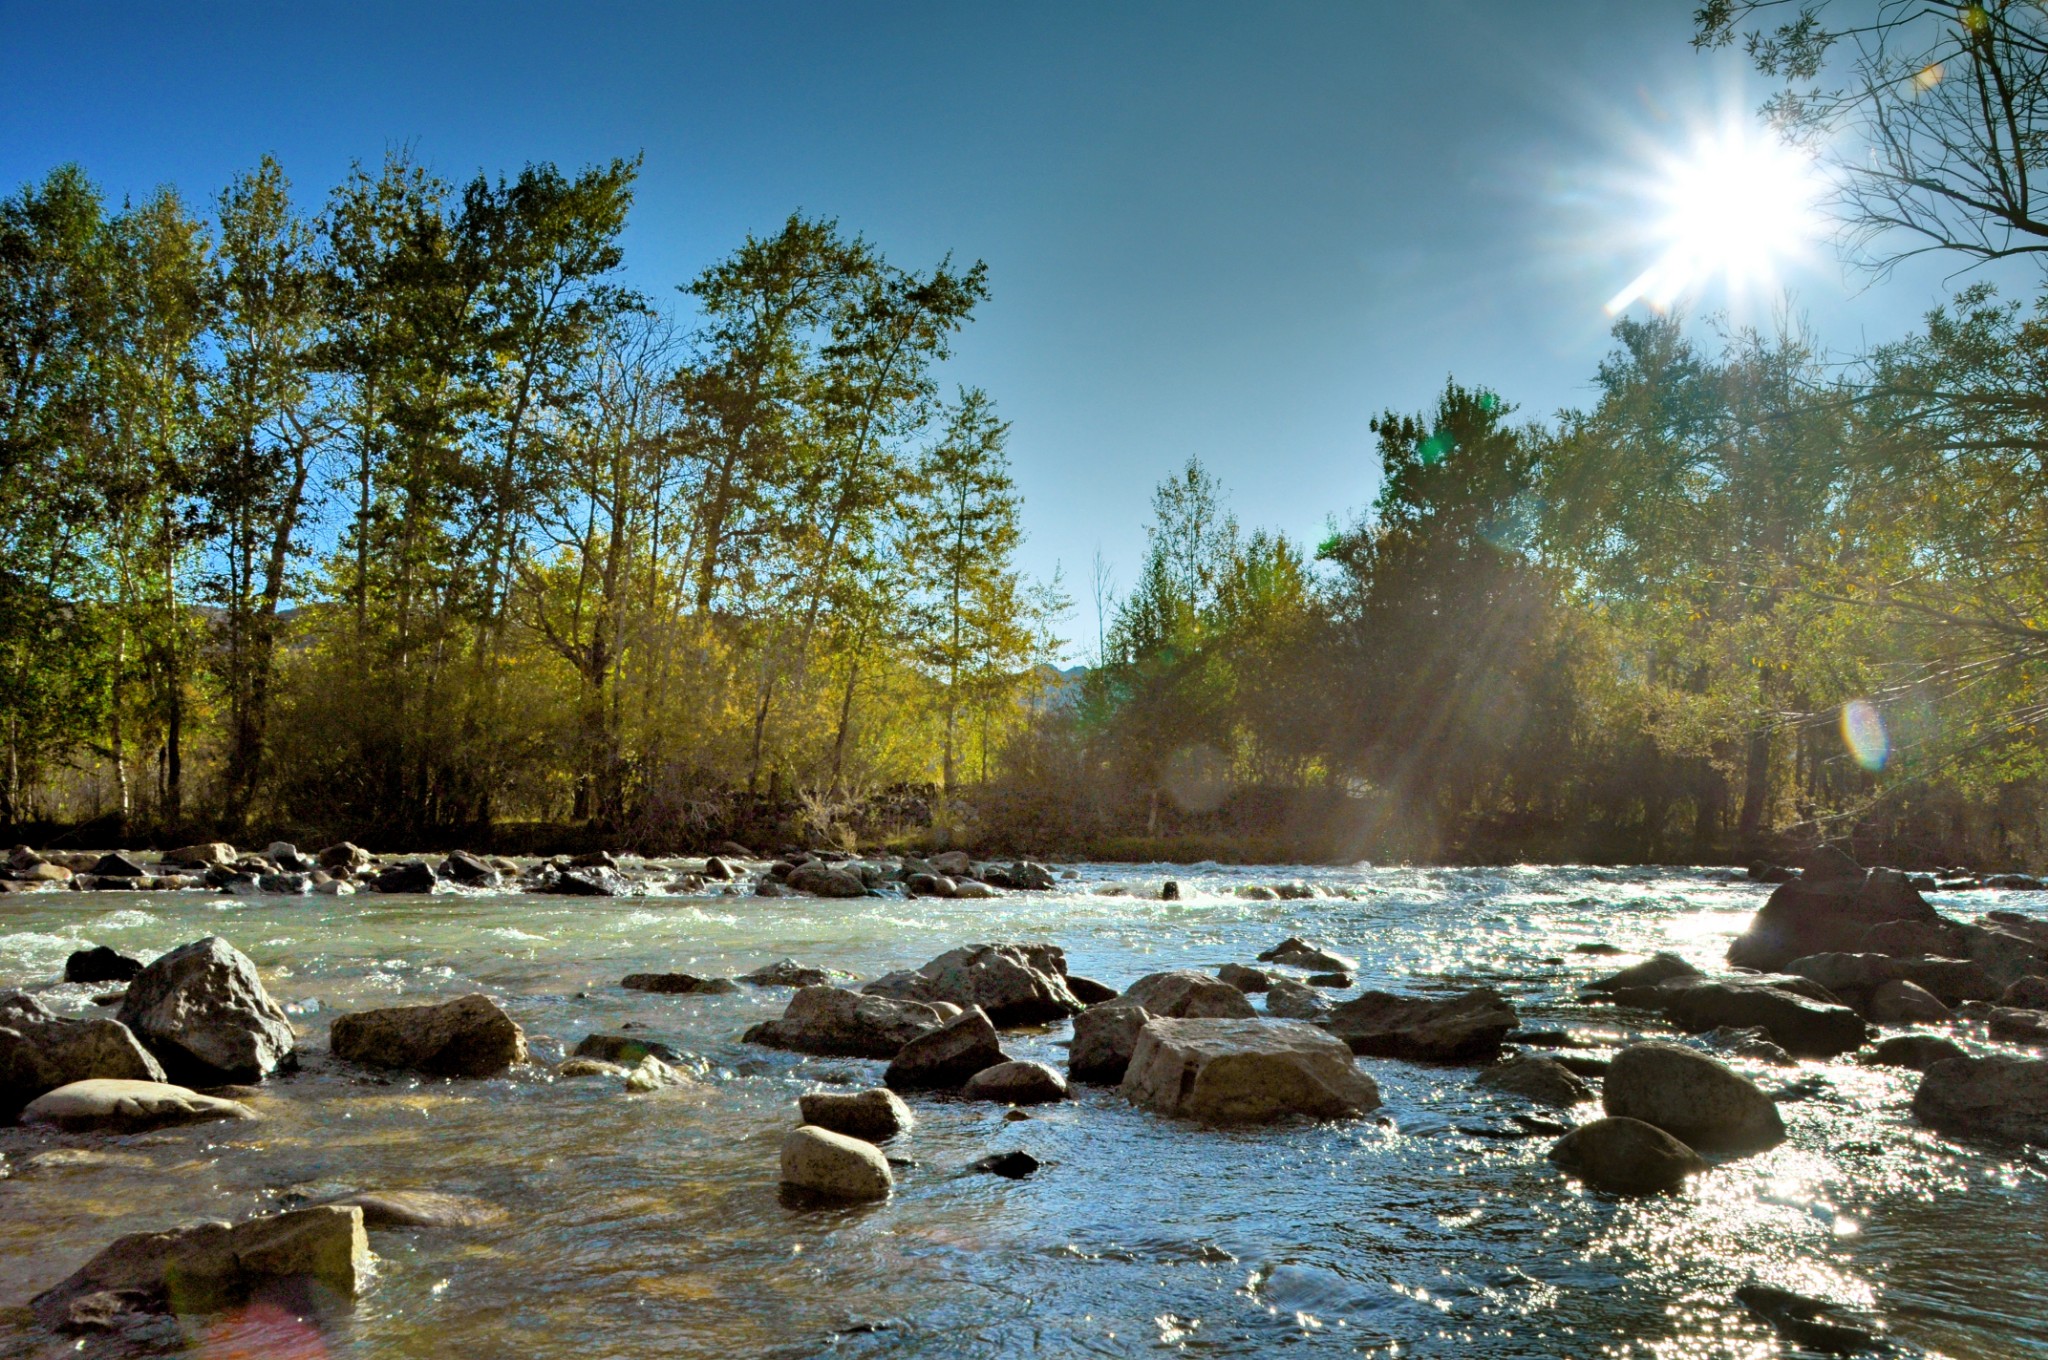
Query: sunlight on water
x=651, y=1224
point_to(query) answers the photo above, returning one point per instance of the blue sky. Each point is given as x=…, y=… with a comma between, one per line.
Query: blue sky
x=1236, y=231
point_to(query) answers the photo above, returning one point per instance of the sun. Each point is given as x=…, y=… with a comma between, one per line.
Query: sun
x=1736, y=208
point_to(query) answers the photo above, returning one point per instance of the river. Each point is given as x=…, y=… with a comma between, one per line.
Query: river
x=651, y=1225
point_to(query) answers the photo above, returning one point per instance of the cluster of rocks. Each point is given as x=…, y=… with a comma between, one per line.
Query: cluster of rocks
x=1954, y=878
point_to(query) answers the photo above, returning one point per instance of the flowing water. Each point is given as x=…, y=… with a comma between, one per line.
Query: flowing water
x=651, y=1225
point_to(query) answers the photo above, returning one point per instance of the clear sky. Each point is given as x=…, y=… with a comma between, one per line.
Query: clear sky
x=1231, y=230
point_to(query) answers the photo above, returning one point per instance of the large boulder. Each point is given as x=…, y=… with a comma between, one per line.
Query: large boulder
x=833, y=1166
x=1826, y=915
x=204, y=1013
x=1016, y=1083
x=1016, y=984
x=869, y=1115
x=1802, y=1026
x=833, y=1022
x=1468, y=1027
x=302, y=1259
x=827, y=880
x=413, y=876
x=347, y=857
x=468, y=870
x=1695, y=1099
x=1997, y=1097
x=467, y=1037
x=1106, y=1035
x=1626, y=1157
x=107, y=1105
x=944, y=1059
x=205, y=855
x=1245, y=1071
x=1539, y=1079
x=41, y=1051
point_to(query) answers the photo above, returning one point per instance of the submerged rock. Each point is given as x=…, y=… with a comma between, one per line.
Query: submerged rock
x=790, y=973
x=1802, y=1026
x=1626, y=1156
x=677, y=984
x=1245, y=1071
x=107, y=1105
x=1650, y=972
x=1296, y=952
x=1009, y=1165
x=41, y=1051
x=1538, y=1079
x=467, y=1037
x=948, y=1056
x=624, y=1049
x=1695, y=1099
x=1996, y=1096
x=204, y=1013
x=1463, y=1028
x=316, y=1256
x=833, y=1022
x=1805, y=1322
x=834, y=1166
x=420, y=1209
x=871, y=1115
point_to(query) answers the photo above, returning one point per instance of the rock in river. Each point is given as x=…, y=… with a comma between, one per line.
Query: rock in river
x=204, y=1013
x=1296, y=952
x=1016, y=1083
x=111, y=1106
x=1105, y=1036
x=1998, y=1096
x=871, y=1115
x=834, y=1166
x=1538, y=1079
x=467, y=1037
x=1900, y=1002
x=678, y=984
x=1464, y=1028
x=1693, y=1098
x=100, y=964
x=1830, y=914
x=1287, y=999
x=945, y=1058
x=1800, y=1025
x=623, y=1049
x=1626, y=1157
x=1245, y=1071
x=40, y=1051
x=833, y=1022
x=1016, y=984
x=1917, y=1051
x=302, y=1259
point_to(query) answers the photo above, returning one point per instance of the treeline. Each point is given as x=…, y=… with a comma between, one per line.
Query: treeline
x=1743, y=599
x=406, y=514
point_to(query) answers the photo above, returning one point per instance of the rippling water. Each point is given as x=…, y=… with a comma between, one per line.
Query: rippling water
x=643, y=1225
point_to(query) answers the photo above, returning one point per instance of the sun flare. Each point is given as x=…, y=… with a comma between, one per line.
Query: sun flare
x=1735, y=209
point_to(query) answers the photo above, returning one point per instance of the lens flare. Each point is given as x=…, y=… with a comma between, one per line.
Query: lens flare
x=1863, y=732
x=1735, y=208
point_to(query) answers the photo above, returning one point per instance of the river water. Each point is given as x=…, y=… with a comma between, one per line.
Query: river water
x=651, y=1225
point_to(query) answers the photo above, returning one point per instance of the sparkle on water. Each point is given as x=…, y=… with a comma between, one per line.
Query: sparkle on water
x=650, y=1224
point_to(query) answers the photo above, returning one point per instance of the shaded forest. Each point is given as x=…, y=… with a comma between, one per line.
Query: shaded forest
x=402, y=518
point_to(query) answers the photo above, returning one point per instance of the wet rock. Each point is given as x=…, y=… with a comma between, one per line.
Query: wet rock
x=43, y=873
x=1625, y=1156
x=1693, y=1098
x=420, y=1209
x=2004, y=953
x=931, y=885
x=1009, y=1165
x=1538, y=1079
x=624, y=1049
x=834, y=1166
x=100, y=964
x=590, y=1067
x=2017, y=1026
x=1917, y=1051
x=1464, y=1028
x=948, y=1056
x=314, y=1256
x=957, y=863
x=789, y=973
x=1598, y=947
x=1900, y=1002
x=413, y=876
x=1826, y=915
x=2013, y=882
x=1016, y=1083
x=1022, y=876
x=106, y=1105
x=834, y=1022
x=825, y=880
x=346, y=855
x=1749, y=1042
x=1336, y=981
x=1183, y=994
x=1243, y=978
x=466, y=869
x=117, y=865
x=1088, y=991
x=652, y=1074
x=1997, y=1097
x=1169, y=891
x=1255, y=892
x=968, y=889
x=1805, y=1322
x=204, y=1013
x=285, y=885
x=1295, y=952
x=1287, y=999
x=1016, y=984
x=594, y=881
x=1245, y=1071
x=871, y=1115
x=1803, y=1027
x=1106, y=1035
x=467, y=1037
x=334, y=887
x=676, y=984
x=2029, y=993
x=205, y=855
x=1915, y=937
x=41, y=1051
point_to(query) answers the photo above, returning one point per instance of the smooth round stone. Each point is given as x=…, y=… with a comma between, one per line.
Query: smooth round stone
x=116, y=1106
x=834, y=1166
x=1017, y=1083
